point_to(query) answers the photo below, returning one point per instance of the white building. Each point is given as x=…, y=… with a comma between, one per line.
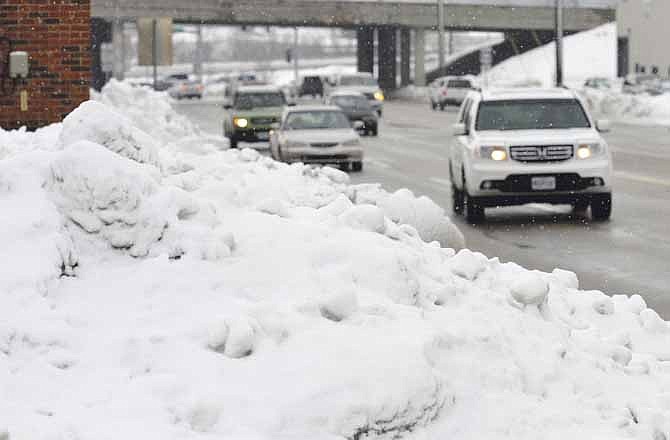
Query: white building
x=644, y=37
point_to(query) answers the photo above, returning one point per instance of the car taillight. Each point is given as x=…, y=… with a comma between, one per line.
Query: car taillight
x=444, y=92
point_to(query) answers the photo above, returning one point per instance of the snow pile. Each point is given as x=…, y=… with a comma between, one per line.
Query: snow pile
x=236, y=297
x=587, y=54
x=637, y=109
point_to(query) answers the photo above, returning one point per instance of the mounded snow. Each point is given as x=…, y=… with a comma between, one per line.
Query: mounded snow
x=220, y=294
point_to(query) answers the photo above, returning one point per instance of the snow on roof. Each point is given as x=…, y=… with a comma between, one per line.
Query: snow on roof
x=526, y=93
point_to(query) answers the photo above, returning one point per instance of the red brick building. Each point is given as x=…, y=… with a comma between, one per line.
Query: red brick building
x=56, y=34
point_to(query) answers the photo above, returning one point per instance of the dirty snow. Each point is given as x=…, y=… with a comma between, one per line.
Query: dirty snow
x=156, y=287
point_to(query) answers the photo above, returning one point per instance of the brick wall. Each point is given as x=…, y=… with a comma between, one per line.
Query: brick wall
x=56, y=34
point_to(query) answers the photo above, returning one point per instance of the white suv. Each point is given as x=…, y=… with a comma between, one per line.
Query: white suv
x=449, y=90
x=529, y=146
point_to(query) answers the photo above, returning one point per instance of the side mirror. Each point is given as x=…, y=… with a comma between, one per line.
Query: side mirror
x=359, y=125
x=603, y=125
x=459, y=129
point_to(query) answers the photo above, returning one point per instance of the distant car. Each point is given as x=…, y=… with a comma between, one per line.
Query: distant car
x=186, y=90
x=637, y=84
x=363, y=83
x=599, y=83
x=316, y=134
x=449, y=90
x=311, y=86
x=518, y=146
x=252, y=112
x=659, y=87
x=357, y=108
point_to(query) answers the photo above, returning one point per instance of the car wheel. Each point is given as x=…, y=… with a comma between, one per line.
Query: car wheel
x=474, y=212
x=374, y=131
x=379, y=113
x=457, y=200
x=442, y=106
x=580, y=207
x=433, y=105
x=357, y=166
x=601, y=207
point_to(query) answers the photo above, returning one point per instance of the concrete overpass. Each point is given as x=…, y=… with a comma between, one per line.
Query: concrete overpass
x=386, y=20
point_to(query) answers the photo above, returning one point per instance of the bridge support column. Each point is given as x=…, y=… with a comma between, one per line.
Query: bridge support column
x=405, y=55
x=419, y=57
x=101, y=32
x=387, y=57
x=365, y=49
x=119, y=49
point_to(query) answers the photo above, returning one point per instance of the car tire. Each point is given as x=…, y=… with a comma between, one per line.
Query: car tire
x=442, y=106
x=233, y=142
x=374, y=131
x=433, y=105
x=379, y=113
x=580, y=207
x=474, y=212
x=357, y=166
x=601, y=207
x=457, y=200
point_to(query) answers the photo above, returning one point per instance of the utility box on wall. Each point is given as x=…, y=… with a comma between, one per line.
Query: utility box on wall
x=45, y=61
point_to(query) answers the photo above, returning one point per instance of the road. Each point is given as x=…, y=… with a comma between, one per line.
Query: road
x=627, y=255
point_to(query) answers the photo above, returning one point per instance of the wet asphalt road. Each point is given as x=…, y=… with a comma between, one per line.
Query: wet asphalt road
x=629, y=254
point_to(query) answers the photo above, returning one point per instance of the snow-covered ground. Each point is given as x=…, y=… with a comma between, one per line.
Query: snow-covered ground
x=158, y=286
x=586, y=54
x=632, y=109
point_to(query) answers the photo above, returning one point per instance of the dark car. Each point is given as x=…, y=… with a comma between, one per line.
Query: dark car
x=311, y=86
x=357, y=108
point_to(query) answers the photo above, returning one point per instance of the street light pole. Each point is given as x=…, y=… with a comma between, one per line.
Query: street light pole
x=295, y=56
x=440, y=33
x=559, y=43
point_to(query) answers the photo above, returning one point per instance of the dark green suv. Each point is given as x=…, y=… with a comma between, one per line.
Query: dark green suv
x=251, y=114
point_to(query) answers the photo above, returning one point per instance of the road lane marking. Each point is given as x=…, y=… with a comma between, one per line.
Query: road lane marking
x=641, y=179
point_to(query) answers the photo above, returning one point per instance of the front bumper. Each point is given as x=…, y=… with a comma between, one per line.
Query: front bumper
x=511, y=181
x=326, y=155
x=253, y=134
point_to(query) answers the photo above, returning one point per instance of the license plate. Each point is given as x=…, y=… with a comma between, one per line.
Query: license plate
x=543, y=183
x=263, y=136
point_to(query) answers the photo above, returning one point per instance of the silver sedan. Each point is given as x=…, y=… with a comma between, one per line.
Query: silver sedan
x=317, y=134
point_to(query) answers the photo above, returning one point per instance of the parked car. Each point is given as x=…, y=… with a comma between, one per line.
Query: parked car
x=357, y=108
x=449, y=90
x=599, y=83
x=363, y=83
x=637, y=84
x=512, y=147
x=187, y=89
x=252, y=112
x=659, y=87
x=316, y=134
x=311, y=86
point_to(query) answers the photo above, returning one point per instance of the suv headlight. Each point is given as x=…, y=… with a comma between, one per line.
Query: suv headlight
x=379, y=95
x=496, y=153
x=241, y=122
x=351, y=142
x=587, y=150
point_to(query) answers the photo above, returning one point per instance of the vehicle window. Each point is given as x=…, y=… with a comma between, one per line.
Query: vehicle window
x=254, y=100
x=531, y=115
x=312, y=120
x=354, y=102
x=357, y=81
x=459, y=84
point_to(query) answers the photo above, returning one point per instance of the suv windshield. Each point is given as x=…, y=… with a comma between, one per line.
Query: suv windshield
x=253, y=100
x=357, y=81
x=352, y=102
x=316, y=120
x=531, y=115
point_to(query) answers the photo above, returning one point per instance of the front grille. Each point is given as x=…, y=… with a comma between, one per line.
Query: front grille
x=323, y=144
x=264, y=121
x=322, y=158
x=543, y=153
